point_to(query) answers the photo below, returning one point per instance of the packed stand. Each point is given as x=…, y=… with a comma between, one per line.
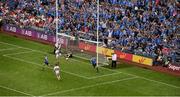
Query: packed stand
x=75, y=16
x=28, y=13
x=78, y=18
x=143, y=27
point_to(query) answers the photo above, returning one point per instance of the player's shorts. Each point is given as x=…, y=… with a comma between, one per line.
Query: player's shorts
x=94, y=65
x=47, y=63
x=57, y=72
x=58, y=55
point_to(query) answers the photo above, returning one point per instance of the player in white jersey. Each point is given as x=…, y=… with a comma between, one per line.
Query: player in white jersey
x=57, y=54
x=57, y=71
x=59, y=46
x=55, y=47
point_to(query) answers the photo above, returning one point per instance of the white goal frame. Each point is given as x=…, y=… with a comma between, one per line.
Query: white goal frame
x=97, y=30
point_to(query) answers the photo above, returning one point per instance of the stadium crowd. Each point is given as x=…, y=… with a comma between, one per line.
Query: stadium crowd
x=74, y=15
x=144, y=27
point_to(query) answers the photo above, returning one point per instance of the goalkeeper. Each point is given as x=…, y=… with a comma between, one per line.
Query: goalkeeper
x=94, y=63
x=69, y=54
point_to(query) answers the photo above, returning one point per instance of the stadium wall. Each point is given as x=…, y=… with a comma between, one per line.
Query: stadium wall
x=35, y=35
x=50, y=39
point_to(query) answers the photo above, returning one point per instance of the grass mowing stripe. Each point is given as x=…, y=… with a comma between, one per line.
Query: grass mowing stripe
x=105, y=68
x=16, y=90
x=98, y=84
x=45, y=66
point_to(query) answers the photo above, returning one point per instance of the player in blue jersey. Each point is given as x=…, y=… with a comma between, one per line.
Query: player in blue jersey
x=46, y=62
x=93, y=61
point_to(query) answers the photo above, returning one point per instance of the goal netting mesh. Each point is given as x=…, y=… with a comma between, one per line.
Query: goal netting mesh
x=82, y=49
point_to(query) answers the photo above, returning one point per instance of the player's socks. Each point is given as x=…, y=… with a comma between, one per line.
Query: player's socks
x=97, y=69
x=58, y=78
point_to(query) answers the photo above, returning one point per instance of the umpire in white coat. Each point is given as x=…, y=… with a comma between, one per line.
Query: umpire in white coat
x=114, y=60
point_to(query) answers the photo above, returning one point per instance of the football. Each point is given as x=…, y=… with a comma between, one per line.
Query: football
x=66, y=58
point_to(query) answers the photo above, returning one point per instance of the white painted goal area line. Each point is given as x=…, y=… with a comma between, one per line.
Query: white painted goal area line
x=17, y=53
x=90, y=86
x=18, y=91
x=93, y=77
x=170, y=85
x=7, y=49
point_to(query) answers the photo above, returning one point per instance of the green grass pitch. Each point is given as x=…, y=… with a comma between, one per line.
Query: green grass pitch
x=21, y=74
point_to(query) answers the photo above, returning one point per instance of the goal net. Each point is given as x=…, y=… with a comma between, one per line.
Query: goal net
x=82, y=49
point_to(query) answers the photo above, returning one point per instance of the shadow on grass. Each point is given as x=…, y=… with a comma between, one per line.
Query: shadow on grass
x=119, y=66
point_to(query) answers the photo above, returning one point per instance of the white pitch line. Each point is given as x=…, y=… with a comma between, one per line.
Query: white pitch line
x=100, y=75
x=98, y=67
x=16, y=46
x=16, y=90
x=8, y=49
x=98, y=84
x=104, y=75
x=1, y=43
x=18, y=53
x=45, y=67
x=159, y=82
x=87, y=59
x=110, y=69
